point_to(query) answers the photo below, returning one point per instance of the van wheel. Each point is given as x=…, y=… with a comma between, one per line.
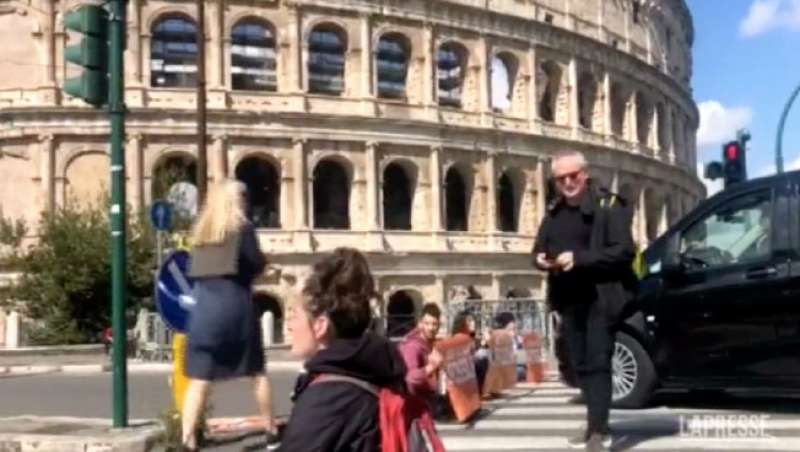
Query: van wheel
x=632, y=373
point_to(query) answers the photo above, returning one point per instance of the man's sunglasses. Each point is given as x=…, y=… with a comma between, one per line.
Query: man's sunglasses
x=569, y=176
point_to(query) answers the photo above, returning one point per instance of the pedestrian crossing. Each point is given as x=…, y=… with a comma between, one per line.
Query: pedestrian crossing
x=540, y=417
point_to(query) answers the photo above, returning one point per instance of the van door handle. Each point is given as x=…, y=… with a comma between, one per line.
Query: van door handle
x=761, y=273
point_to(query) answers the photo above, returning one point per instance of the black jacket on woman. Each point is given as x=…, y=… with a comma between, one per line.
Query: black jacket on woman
x=337, y=416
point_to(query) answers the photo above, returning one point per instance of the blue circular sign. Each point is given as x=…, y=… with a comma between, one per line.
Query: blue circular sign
x=161, y=215
x=174, y=290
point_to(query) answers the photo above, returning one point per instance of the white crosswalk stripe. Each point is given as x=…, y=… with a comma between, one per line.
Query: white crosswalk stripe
x=540, y=418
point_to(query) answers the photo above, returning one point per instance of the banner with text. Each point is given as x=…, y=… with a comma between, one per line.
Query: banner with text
x=459, y=367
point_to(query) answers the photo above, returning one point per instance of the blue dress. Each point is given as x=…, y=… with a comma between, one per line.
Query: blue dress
x=224, y=333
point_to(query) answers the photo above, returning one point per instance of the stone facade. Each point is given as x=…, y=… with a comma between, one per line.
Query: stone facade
x=419, y=131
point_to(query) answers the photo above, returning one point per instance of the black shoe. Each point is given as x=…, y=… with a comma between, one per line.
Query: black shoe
x=598, y=442
x=273, y=441
x=577, y=400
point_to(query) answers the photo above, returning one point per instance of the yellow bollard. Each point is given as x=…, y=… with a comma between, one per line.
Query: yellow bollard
x=179, y=380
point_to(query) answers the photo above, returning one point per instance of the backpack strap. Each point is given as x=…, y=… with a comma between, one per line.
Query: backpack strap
x=370, y=388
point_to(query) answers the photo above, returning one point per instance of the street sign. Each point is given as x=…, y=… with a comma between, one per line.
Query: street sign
x=161, y=215
x=174, y=290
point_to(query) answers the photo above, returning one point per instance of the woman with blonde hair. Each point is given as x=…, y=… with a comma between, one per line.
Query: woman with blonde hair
x=224, y=337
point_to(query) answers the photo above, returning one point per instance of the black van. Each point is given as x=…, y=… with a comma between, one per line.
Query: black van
x=719, y=307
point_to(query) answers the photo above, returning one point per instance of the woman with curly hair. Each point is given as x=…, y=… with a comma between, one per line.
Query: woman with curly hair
x=329, y=328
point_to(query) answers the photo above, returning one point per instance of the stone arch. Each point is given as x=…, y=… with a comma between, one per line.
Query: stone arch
x=87, y=178
x=550, y=85
x=254, y=58
x=619, y=110
x=263, y=302
x=263, y=180
x=399, y=179
x=588, y=96
x=504, y=74
x=332, y=180
x=327, y=43
x=644, y=118
x=451, y=72
x=510, y=191
x=392, y=60
x=402, y=307
x=174, y=177
x=169, y=10
x=654, y=208
x=458, y=191
x=180, y=30
x=662, y=133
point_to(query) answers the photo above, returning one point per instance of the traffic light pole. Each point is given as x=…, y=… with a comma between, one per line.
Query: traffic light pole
x=781, y=124
x=116, y=106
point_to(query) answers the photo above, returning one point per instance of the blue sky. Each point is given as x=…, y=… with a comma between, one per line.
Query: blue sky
x=746, y=64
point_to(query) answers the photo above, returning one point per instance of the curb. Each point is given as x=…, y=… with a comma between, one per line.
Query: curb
x=21, y=371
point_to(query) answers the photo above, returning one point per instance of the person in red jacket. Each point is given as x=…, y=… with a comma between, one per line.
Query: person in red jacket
x=422, y=360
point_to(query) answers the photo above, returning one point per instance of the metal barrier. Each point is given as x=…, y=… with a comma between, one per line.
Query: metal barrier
x=153, y=338
x=529, y=314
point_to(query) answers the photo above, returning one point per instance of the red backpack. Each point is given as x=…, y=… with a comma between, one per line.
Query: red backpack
x=405, y=420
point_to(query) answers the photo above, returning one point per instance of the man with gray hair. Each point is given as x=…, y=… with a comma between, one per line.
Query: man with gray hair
x=585, y=246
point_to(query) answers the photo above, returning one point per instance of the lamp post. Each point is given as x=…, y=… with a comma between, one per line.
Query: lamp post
x=781, y=124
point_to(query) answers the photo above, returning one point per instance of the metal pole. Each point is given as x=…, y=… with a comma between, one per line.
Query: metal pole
x=201, y=103
x=116, y=105
x=781, y=123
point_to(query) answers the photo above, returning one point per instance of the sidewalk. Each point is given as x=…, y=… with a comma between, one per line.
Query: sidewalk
x=92, y=359
x=66, y=434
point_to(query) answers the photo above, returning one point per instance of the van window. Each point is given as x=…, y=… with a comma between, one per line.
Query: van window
x=739, y=230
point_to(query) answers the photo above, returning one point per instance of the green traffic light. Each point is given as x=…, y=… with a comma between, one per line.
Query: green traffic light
x=88, y=19
x=91, y=86
x=90, y=53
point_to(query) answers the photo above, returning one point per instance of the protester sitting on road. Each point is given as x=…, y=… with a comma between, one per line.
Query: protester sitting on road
x=422, y=360
x=224, y=337
x=328, y=324
x=464, y=323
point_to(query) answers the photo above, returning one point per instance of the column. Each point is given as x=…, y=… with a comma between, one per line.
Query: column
x=491, y=180
x=632, y=112
x=133, y=57
x=219, y=164
x=614, y=182
x=429, y=78
x=485, y=72
x=217, y=34
x=47, y=160
x=48, y=39
x=643, y=218
x=367, y=73
x=533, y=94
x=296, y=30
x=299, y=175
x=441, y=290
x=541, y=192
x=667, y=124
x=436, y=189
x=608, y=128
x=496, y=286
x=574, y=114
x=373, y=212
x=134, y=157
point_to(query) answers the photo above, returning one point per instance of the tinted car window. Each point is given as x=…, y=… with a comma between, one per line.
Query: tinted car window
x=737, y=231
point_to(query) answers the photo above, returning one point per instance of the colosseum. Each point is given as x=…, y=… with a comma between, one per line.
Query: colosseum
x=419, y=131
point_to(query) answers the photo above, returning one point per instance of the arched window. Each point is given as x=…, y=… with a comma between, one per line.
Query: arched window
x=397, y=196
x=400, y=314
x=331, y=196
x=174, y=179
x=173, y=53
x=504, y=75
x=549, y=87
x=263, y=191
x=253, y=62
x=451, y=64
x=392, y=65
x=587, y=98
x=644, y=119
x=619, y=106
x=455, y=201
x=264, y=303
x=663, y=131
x=507, y=204
x=327, y=45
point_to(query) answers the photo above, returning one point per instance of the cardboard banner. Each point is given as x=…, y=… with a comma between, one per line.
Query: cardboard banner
x=459, y=367
x=535, y=358
x=236, y=426
x=502, y=372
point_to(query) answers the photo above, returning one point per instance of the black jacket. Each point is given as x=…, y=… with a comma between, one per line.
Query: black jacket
x=609, y=259
x=338, y=416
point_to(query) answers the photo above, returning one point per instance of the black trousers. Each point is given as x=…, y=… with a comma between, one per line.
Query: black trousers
x=590, y=345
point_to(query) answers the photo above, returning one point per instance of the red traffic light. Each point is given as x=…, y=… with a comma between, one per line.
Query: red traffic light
x=732, y=151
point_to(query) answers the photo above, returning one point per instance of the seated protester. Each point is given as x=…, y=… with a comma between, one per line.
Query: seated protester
x=464, y=323
x=421, y=359
x=329, y=329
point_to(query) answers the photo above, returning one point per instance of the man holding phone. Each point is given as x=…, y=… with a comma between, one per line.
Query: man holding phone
x=585, y=246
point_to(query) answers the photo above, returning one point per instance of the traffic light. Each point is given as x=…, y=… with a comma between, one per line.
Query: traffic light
x=91, y=54
x=733, y=163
